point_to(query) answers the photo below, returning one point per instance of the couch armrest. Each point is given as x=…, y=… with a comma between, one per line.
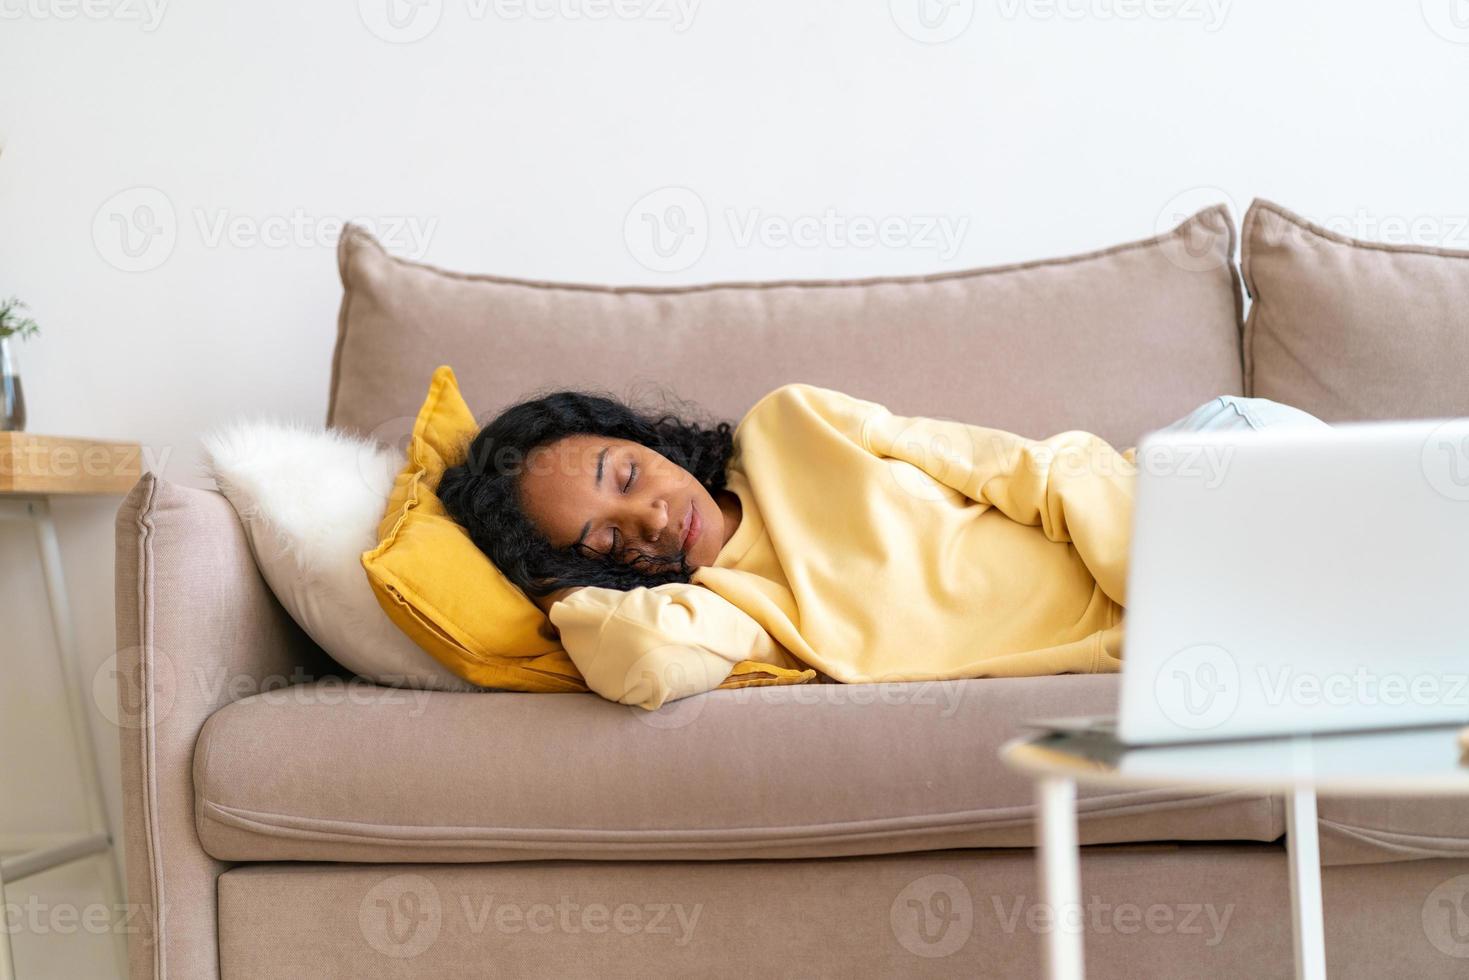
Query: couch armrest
x=197, y=628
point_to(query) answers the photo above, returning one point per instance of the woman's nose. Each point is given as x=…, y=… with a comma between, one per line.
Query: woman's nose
x=655, y=521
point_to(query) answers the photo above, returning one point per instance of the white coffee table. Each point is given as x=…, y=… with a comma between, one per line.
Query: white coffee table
x=1406, y=762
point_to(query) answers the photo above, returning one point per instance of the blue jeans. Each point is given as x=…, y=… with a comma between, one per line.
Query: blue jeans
x=1237, y=412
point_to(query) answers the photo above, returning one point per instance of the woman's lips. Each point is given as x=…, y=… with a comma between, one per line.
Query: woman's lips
x=696, y=524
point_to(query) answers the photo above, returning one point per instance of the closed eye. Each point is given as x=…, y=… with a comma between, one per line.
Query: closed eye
x=632, y=474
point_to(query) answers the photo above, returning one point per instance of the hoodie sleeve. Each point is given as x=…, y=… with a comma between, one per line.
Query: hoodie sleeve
x=646, y=646
x=1074, y=486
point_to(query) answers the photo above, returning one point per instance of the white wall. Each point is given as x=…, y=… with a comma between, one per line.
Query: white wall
x=519, y=144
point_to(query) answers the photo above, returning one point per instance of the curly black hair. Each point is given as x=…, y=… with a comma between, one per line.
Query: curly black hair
x=483, y=493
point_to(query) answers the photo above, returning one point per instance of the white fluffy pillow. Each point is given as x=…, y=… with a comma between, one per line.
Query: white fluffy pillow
x=310, y=500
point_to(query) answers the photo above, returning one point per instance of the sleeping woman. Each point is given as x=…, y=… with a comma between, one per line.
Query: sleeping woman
x=822, y=532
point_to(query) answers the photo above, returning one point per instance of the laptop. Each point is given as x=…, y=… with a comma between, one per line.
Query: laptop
x=1290, y=581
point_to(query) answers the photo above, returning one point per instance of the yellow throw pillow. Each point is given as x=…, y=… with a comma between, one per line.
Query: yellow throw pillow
x=450, y=599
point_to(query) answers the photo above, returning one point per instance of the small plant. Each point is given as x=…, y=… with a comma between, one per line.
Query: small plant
x=13, y=323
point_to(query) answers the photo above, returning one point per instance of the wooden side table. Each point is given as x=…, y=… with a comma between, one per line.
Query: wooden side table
x=33, y=469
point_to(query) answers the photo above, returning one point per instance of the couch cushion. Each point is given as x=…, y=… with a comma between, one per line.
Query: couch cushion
x=1180, y=911
x=1348, y=329
x=1114, y=342
x=362, y=773
x=1403, y=828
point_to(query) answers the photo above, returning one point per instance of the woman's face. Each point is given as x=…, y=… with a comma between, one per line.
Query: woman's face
x=615, y=496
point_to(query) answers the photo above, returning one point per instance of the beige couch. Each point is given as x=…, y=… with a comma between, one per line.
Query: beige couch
x=283, y=822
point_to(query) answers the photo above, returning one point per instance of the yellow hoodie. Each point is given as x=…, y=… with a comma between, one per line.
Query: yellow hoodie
x=879, y=547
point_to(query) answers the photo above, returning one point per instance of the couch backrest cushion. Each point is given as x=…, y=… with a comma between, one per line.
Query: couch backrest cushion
x=1348, y=329
x=1116, y=341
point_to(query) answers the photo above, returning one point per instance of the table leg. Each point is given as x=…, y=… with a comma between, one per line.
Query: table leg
x=1304, y=852
x=81, y=728
x=1060, y=858
x=7, y=960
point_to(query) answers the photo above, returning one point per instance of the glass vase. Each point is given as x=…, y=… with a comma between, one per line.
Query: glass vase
x=12, y=399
